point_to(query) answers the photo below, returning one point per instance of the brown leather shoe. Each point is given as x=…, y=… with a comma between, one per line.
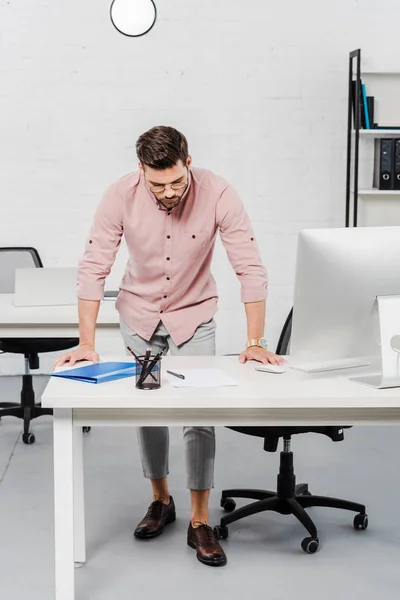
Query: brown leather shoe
x=203, y=540
x=157, y=516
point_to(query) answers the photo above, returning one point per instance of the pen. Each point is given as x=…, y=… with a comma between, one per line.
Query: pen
x=145, y=364
x=146, y=357
x=133, y=354
x=148, y=371
x=176, y=374
x=139, y=361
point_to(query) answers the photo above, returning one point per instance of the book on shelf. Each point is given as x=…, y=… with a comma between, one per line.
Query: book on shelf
x=365, y=106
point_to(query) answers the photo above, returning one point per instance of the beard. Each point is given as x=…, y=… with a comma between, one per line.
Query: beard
x=171, y=202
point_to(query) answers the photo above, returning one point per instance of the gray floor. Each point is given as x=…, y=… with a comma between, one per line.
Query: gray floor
x=264, y=551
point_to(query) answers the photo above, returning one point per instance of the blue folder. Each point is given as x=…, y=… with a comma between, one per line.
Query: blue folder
x=100, y=372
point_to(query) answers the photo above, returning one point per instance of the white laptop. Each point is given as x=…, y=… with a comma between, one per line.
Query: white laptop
x=45, y=286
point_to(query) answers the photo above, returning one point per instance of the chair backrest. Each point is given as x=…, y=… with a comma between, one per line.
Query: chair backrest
x=283, y=346
x=272, y=434
x=15, y=258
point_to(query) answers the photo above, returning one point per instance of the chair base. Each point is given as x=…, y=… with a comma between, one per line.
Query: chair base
x=290, y=499
x=27, y=414
x=27, y=410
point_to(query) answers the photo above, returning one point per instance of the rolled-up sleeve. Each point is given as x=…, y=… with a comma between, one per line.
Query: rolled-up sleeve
x=101, y=246
x=240, y=243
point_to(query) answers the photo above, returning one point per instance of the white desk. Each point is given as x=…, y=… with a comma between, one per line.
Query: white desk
x=57, y=322
x=293, y=398
x=51, y=321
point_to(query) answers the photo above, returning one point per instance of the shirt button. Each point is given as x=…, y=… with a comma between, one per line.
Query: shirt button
x=168, y=236
x=168, y=213
x=165, y=296
x=193, y=236
x=168, y=258
x=161, y=312
x=168, y=278
x=90, y=241
x=252, y=239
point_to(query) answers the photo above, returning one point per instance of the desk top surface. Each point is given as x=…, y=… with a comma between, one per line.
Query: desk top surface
x=255, y=389
x=43, y=315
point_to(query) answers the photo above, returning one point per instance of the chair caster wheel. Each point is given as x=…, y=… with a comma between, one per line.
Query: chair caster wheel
x=228, y=504
x=221, y=532
x=360, y=521
x=310, y=545
x=28, y=438
x=86, y=429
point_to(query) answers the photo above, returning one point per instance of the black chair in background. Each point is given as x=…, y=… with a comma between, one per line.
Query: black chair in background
x=27, y=409
x=289, y=498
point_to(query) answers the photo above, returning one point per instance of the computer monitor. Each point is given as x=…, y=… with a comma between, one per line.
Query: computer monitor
x=52, y=286
x=339, y=274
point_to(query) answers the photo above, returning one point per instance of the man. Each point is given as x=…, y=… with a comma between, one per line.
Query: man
x=169, y=214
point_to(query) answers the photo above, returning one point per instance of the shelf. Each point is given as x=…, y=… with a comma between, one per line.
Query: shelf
x=375, y=192
x=393, y=73
x=379, y=132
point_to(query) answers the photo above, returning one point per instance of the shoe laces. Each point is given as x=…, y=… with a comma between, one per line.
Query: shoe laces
x=207, y=529
x=154, y=508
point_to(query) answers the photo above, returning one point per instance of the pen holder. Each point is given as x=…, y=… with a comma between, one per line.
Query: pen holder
x=149, y=379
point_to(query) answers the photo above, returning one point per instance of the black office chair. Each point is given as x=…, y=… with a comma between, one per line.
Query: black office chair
x=289, y=497
x=27, y=409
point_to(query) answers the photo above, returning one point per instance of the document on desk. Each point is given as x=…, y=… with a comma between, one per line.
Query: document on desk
x=201, y=378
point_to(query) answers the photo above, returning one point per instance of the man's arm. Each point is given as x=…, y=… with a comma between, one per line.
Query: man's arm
x=99, y=256
x=239, y=241
x=255, y=314
x=101, y=246
x=87, y=311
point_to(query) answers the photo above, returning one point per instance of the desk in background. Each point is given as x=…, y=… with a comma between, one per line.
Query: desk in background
x=59, y=321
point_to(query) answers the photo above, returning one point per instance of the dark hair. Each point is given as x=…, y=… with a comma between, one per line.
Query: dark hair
x=162, y=147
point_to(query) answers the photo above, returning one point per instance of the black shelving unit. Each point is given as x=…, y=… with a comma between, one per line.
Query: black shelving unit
x=354, y=74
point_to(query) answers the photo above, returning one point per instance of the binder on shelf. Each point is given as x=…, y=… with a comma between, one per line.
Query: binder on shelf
x=361, y=111
x=384, y=164
x=396, y=183
x=371, y=110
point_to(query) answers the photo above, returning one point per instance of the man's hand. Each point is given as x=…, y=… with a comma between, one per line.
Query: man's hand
x=84, y=352
x=261, y=355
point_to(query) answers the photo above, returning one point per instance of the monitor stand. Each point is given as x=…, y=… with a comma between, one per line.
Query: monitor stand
x=377, y=381
x=389, y=324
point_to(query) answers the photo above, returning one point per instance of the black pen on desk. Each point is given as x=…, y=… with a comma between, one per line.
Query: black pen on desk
x=140, y=362
x=134, y=355
x=145, y=363
x=148, y=371
x=176, y=374
x=146, y=357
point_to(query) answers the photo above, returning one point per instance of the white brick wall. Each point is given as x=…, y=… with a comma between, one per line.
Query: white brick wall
x=259, y=88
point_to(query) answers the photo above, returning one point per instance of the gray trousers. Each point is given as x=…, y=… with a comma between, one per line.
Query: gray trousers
x=199, y=441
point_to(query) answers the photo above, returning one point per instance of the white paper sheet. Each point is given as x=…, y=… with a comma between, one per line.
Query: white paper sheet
x=201, y=378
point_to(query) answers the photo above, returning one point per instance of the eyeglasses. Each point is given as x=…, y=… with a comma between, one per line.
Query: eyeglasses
x=159, y=189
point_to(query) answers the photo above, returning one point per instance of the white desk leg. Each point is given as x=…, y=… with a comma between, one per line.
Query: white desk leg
x=79, y=500
x=64, y=504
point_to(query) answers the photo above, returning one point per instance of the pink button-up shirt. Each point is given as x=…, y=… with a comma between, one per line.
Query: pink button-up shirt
x=167, y=277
